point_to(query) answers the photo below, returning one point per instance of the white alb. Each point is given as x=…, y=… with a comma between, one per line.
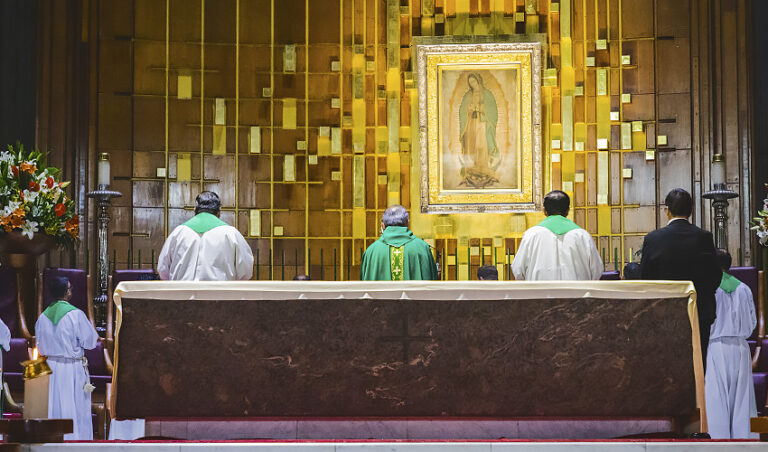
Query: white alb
x=546, y=256
x=221, y=254
x=728, y=387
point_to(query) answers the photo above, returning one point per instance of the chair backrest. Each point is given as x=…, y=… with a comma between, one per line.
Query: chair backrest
x=12, y=358
x=610, y=276
x=760, y=380
x=79, y=280
x=747, y=275
x=8, y=309
x=96, y=364
x=146, y=274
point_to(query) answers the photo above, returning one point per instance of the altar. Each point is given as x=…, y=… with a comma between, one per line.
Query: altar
x=408, y=360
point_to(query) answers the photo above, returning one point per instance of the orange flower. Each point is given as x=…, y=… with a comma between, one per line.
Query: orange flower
x=49, y=182
x=15, y=170
x=28, y=167
x=14, y=220
x=73, y=226
x=59, y=209
x=34, y=186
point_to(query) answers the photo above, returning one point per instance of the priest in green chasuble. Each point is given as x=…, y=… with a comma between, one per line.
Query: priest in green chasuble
x=398, y=255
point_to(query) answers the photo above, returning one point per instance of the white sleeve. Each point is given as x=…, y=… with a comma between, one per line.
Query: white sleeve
x=86, y=334
x=520, y=262
x=164, y=260
x=243, y=258
x=5, y=336
x=746, y=310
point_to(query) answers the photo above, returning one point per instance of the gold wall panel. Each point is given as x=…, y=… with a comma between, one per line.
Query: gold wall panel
x=302, y=113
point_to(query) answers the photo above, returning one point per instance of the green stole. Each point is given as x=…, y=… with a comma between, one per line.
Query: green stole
x=558, y=224
x=729, y=283
x=57, y=310
x=204, y=222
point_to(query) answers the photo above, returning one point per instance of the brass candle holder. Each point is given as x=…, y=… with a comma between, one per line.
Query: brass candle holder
x=34, y=368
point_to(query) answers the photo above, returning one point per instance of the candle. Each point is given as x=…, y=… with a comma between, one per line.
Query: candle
x=36, y=380
x=103, y=169
x=718, y=170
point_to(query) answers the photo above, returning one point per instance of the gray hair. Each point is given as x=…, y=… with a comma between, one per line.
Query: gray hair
x=395, y=215
x=207, y=201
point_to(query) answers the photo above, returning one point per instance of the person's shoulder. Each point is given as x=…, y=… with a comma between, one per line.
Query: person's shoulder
x=419, y=242
x=744, y=289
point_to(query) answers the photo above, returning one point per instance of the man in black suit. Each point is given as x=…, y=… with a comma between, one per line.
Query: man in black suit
x=683, y=252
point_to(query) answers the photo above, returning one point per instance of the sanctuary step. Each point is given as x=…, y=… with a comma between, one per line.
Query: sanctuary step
x=404, y=429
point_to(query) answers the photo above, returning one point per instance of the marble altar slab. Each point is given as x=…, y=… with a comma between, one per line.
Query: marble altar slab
x=592, y=355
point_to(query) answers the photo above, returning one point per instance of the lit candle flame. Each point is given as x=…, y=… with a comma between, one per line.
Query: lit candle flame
x=34, y=353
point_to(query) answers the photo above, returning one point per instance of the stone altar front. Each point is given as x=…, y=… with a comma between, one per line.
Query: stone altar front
x=413, y=349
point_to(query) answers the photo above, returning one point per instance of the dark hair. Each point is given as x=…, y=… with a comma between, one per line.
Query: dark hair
x=395, y=215
x=488, y=273
x=724, y=259
x=679, y=203
x=58, y=286
x=633, y=270
x=209, y=202
x=302, y=278
x=557, y=202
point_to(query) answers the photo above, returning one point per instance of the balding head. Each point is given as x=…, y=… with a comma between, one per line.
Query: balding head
x=395, y=215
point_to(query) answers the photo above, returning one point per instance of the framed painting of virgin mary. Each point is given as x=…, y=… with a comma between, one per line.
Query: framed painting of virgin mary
x=479, y=122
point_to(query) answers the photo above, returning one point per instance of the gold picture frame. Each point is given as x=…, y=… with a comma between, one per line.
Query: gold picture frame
x=480, y=127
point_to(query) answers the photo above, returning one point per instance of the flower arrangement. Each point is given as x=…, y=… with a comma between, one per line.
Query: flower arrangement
x=32, y=200
x=760, y=222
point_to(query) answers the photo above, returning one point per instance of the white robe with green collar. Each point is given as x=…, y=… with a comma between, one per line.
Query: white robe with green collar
x=557, y=250
x=205, y=249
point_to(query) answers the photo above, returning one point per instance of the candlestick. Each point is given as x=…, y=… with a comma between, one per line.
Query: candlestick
x=718, y=172
x=720, y=196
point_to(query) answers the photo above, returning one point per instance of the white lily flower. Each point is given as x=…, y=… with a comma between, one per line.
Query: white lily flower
x=11, y=207
x=29, y=229
x=6, y=156
x=30, y=196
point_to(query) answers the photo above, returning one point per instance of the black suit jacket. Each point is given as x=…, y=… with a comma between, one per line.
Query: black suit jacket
x=684, y=252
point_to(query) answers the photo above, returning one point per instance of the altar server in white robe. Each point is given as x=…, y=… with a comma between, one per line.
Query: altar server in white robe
x=728, y=386
x=63, y=333
x=557, y=248
x=205, y=248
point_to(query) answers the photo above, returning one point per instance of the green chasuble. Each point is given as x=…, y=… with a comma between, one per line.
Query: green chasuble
x=398, y=256
x=558, y=224
x=204, y=222
x=57, y=310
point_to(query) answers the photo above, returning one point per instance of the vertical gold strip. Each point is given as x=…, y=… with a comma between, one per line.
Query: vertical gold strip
x=306, y=138
x=237, y=112
x=165, y=132
x=272, y=126
x=202, y=93
x=341, y=117
x=393, y=100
